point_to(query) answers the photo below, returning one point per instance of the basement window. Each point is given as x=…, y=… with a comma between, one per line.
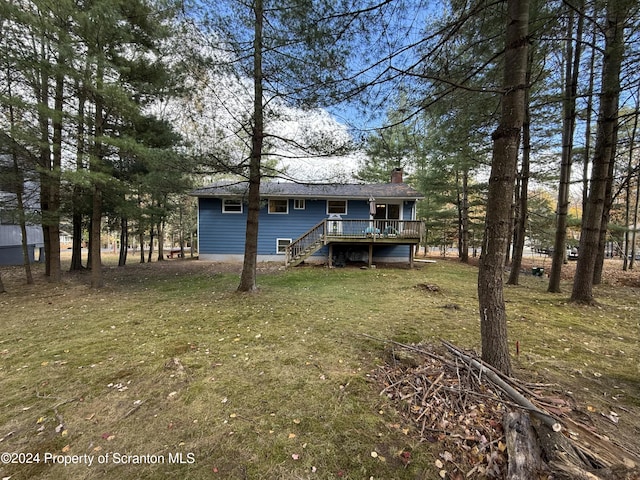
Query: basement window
x=281, y=245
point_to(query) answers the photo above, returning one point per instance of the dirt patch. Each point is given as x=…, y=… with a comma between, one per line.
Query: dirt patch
x=14, y=276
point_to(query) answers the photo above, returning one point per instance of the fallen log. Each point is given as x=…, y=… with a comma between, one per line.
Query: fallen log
x=525, y=456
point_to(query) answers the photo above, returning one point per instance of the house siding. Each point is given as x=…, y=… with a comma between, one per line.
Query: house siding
x=222, y=235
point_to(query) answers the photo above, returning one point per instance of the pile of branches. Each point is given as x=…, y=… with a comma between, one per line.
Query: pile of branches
x=488, y=425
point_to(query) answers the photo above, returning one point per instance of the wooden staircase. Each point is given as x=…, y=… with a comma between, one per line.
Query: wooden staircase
x=353, y=231
x=305, y=246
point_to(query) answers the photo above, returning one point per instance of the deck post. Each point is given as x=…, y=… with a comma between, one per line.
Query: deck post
x=370, y=254
x=411, y=247
x=330, y=259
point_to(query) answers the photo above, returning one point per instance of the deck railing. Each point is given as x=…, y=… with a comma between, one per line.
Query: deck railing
x=342, y=230
x=374, y=229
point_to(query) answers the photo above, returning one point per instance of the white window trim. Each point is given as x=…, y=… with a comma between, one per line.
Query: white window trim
x=299, y=204
x=341, y=213
x=278, y=240
x=277, y=213
x=224, y=202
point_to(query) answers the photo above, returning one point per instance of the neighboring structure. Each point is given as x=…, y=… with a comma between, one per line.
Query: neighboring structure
x=332, y=223
x=10, y=234
x=11, y=243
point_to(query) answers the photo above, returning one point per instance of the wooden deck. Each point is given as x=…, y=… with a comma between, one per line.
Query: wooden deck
x=369, y=232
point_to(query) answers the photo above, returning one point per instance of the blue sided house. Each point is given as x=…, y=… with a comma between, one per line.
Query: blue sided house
x=322, y=223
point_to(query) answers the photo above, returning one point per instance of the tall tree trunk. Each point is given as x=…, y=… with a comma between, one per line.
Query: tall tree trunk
x=636, y=205
x=523, y=205
x=78, y=191
x=54, y=227
x=96, y=165
x=26, y=261
x=587, y=132
x=636, y=211
x=459, y=212
x=182, y=232
x=249, y=267
x=89, y=243
x=124, y=242
x=151, y=237
x=19, y=186
x=506, y=140
x=604, y=150
x=42, y=94
x=140, y=229
x=96, y=247
x=76, y=241
x=629, y=187
x=522, y=216
x=572, y=66
x=55, y=273
x=606, y=215
x=161, y=241
x=141, y=240
x=464, y=255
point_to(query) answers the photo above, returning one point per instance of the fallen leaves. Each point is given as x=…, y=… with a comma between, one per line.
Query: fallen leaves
x=611, y=416
x=172, y=396
x=120, y=387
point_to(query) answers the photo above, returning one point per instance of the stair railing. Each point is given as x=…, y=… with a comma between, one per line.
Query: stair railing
x=311, y=238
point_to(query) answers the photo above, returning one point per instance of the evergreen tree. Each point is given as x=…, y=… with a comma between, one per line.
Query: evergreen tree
x=291, y=55
x=572, y=65
x=493, y=322
x=395, y=145
x=604, y=156
x=67, y=60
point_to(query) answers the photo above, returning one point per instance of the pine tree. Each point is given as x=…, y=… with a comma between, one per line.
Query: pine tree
x=604, y=155
x=493, y=322
x=292, y=55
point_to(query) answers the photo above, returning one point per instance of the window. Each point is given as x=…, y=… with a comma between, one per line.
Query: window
x=299, y=204
x=338, y=207
x=230, y=205
x=278, y=205
x=281, y=245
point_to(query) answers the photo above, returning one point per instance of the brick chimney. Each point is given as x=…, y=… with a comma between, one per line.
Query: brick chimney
x=396, y=175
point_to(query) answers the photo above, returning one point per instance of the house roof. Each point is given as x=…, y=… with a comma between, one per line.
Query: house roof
x=230, y=189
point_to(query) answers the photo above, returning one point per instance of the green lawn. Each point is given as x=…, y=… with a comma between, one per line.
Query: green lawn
x=272, y=385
